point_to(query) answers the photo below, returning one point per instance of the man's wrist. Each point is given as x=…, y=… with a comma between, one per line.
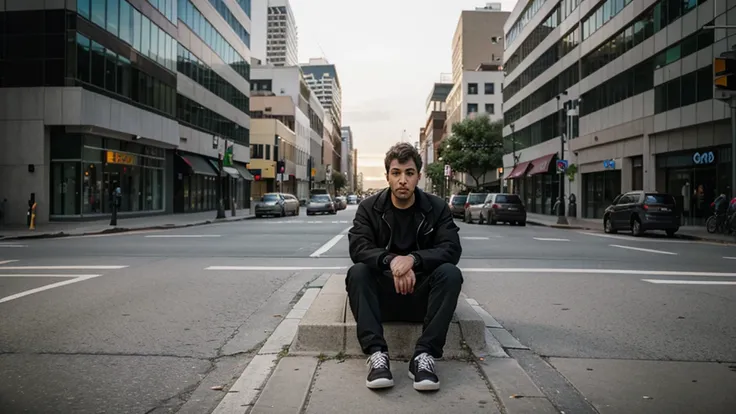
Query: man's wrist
x=417, y=260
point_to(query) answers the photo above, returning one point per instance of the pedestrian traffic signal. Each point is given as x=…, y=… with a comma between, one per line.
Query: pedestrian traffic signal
x=280, y=167
x=724, y=71
x=257, y=177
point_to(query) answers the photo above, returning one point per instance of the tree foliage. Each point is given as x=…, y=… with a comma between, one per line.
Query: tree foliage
x=338, y=180
x=475, y=147
x=435, y=172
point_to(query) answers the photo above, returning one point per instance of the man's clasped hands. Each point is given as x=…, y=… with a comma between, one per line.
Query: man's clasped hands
x=402, y=269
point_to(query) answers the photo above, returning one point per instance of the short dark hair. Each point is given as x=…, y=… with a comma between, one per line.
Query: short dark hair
x=403, y=152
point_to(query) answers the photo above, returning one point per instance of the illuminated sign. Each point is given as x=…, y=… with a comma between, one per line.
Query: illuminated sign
x=114, y=157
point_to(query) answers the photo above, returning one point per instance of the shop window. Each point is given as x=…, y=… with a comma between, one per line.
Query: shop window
x=65, y=193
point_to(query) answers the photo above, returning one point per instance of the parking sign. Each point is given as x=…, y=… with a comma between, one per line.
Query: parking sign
x=448, y=170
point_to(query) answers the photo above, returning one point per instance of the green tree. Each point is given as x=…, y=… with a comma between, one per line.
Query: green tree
x=436, y=173
x=475, y=147
x=338, y=180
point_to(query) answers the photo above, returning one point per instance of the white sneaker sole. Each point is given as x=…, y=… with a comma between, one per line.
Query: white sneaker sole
x=379, y=383
x=425, y=385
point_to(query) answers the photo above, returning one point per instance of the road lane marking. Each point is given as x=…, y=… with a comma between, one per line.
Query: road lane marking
x=267, y=268
x=7, y=261
x=327, y=246
x=63, y=267
x=598, y=271
x=688, y=282
x=474, y=238
x=47, y=287
x=729, y=258
x=44, y=275
x=551, y=239
x=639, y=249
x=636, y=239
x=182, y=236
x=13, y=245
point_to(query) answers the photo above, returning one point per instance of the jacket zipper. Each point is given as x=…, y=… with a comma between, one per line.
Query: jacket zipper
x=390, y=231
x=419, y=228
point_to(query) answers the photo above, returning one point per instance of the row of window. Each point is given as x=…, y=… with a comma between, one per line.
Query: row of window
x=127, y=23
x=489, y=88
x=195, y=115
x=245, y=5
x=601, y=15
x=193, y=18
x=563, y=46
x=32, y=48
x=226, y=14
x=686, y=90
x=189, y=65
x=549, y=91
x=167, y=8
x=524, y=18
x=115, y=74
x=489, y=109
x=631, y=82
x=533, y=40
x=260, y=152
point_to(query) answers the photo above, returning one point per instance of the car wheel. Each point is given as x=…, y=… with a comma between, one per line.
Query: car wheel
x=608, y=226
x=636, y=229
x=480, y=218
x=522, y=223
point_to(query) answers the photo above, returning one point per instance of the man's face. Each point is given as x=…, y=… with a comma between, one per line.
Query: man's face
x=403, y=179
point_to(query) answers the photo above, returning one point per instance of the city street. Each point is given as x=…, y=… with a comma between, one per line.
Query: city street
x=150, y=321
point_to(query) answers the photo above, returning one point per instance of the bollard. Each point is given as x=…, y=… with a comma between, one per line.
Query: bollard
x=232, y=207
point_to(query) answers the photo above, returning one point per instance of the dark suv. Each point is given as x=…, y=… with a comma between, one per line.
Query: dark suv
x=640, y=211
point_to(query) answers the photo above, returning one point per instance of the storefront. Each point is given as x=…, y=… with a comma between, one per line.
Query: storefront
x=195, y=187
x=695, y=178
x=538, y=183
x=599, y=189
x=86, y=169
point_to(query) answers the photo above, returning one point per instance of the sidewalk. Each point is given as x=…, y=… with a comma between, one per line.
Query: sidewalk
x=80, y=228
x=685, y=232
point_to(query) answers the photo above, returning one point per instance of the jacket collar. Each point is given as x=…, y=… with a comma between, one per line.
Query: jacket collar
x=383, y=202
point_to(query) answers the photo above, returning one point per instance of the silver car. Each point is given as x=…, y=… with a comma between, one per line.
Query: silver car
x=321, y=203
x=277, y=204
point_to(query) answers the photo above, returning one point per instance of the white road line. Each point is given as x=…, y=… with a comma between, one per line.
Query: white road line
x=597, y=271
x=688, y=282
x=46, y=287
x=474, y=238
x=267, y=268
x=725, y=257
x=63, y=267
x=639, y=249
x=44, y=275
x=327, y=246
x=551, y=239
x=7, y=261
x=182, y=236
x=13, y=245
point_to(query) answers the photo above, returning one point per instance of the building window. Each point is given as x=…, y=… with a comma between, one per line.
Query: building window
x=490, y=88
x=256, y=152
x=490, y=109
x=472, y=89
x=472, y=108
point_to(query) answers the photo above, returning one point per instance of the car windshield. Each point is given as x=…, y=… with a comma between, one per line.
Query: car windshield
x=477, y=198
x=659, y=199
x=270, y=197
x=459, y=200
x=508, y=199
x=320, y=199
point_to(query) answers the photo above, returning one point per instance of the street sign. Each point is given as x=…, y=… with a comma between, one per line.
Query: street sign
x=448, y=170
x=561, y=166
x=609, y=164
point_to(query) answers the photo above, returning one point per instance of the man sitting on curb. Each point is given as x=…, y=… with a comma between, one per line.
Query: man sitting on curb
x=405, y=247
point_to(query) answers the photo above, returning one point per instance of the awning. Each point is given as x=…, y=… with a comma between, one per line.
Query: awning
x=232, y=172
x=247, y=176
x=541, y=164
x=519, y=170
x=198, y=164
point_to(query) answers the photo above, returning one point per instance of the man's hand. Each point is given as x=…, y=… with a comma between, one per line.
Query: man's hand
x=401, y=264
x=405, y=284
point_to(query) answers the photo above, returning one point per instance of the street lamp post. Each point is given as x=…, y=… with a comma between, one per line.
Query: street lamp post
x=220, y=201
x=561, y=219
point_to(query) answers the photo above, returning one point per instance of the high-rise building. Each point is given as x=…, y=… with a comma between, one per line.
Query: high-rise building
x=130, y=95
x=631, y=83
x=324, y=82
x=281, y=34
x=347, y=159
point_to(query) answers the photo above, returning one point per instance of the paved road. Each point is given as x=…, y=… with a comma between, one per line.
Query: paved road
x=157, y=327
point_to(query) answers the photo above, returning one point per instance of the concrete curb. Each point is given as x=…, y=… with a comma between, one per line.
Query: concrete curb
x=115, y=230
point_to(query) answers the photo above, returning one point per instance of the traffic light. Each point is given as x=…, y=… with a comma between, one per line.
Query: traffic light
x=724, y=71
x=280, y=167
x=257, y=177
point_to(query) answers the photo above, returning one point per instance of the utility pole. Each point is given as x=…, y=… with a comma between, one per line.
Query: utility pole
x=724, y=82
x=561, y=219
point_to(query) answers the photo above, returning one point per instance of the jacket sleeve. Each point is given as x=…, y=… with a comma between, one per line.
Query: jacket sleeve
x=362, y=243
x=446, y=247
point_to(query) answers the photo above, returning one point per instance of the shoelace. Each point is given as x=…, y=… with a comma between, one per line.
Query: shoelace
x=425, y=362
x=378, y=360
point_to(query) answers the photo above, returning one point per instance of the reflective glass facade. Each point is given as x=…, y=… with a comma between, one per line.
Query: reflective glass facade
x=226, y=14
x=167, y=8
x=196, y=116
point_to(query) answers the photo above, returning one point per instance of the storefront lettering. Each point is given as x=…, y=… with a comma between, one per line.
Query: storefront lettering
x=704, y=158
x=114, y=157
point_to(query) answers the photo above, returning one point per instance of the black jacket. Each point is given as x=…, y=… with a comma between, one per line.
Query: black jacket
x=437, y=235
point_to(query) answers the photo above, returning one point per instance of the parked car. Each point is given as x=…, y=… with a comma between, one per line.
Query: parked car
x=321, y=203
x=352, y=199
x=341, y=202
x=277, y=204
x=473, y=206
x=506, y=208
x=457, y=204
x=640, y=211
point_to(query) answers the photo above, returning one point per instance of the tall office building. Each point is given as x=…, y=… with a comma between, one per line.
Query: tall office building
x=631, y=83
x=322, y=78
x=121, y=94
x=281, y=34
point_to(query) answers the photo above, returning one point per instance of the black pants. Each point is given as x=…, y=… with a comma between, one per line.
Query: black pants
x=373, y=300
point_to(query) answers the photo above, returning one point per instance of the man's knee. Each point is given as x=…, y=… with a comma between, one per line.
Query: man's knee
x=449, y=274
x=358, y=275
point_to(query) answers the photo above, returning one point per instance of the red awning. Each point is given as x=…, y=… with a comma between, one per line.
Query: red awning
x=519, y=170
x=541, y=164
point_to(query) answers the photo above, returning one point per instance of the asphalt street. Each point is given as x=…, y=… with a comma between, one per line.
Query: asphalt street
x=149, y=321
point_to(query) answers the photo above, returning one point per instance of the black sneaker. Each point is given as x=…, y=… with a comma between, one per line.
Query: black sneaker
x=379, y=375
x=421, y=370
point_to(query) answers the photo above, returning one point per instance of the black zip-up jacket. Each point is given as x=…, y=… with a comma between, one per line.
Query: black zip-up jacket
x=437, y=235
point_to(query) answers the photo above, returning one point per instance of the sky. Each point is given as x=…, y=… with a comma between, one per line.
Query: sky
x=388, y=54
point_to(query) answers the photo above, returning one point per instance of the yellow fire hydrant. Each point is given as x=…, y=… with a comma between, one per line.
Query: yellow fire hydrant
x=33, y=216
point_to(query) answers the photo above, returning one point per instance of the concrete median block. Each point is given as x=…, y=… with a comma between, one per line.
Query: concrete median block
x=472, y=325
x=322, y=329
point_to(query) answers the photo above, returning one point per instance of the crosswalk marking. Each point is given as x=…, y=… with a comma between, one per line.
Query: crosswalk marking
x=551, y=239
x=47, y=287
x=45, y=275
x=309, y=222
x=689, y=282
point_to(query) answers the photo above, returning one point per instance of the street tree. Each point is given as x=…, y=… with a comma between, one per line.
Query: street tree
x=475, y=147
x=436, y=174
x=338, y=180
